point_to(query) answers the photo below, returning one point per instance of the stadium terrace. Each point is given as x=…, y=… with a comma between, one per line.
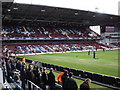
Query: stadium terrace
x=81, y=46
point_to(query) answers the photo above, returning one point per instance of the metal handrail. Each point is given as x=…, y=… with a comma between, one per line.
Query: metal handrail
x=37, y=87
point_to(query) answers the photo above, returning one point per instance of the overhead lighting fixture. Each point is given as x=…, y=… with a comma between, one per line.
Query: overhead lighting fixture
x=76, y=13
x=94, y=16
x=15, y=8
x=111, y=17
x=43, y=10
x=8, y=10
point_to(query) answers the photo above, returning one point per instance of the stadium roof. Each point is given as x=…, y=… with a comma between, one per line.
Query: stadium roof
x=37, y=13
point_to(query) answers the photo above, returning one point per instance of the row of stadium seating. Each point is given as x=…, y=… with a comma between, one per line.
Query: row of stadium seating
x=44, y=48
x=46, y=32
x=116, y=44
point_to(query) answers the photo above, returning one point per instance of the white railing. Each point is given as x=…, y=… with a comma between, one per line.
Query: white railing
x=32, y=86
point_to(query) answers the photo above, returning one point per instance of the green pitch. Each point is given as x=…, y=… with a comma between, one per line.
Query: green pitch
x=105, y=62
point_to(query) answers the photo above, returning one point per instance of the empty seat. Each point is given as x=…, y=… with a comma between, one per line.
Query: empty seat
x=88, y=75
x=80, y=74
x=73, y=71
x=109, y=80
x=117, y=82
x=98, y=77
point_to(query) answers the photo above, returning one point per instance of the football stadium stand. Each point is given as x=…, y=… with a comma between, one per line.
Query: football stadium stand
x=33, y=29
x=22, y=32
x=46, y=48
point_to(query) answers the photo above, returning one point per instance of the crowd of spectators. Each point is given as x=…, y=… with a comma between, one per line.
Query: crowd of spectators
x=19, y=72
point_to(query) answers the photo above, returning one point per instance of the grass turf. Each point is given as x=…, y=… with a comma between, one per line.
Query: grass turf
x=105, y=62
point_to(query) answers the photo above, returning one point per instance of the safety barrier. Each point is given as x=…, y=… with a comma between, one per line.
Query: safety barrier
x=32, y=86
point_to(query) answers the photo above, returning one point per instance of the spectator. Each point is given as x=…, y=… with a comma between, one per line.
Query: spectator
x=9, y=72
x=29, y=67
x=19, y=65
x=64, y=78
x=27, y=73
x=59, y=78
x=36, y=73
x=7, y=53
x=40, y=74
x=44, y=79
x=16, y=77
x=85, y=85
x=70, y=83
x=23, y=60
x=51, y=80
x=23, y=76
x=32, y=75
x=40, y=77
x=13, y=67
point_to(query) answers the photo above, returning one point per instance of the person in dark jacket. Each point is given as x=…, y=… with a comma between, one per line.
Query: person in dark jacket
x=70, y=83
x=27, y=73
x=23, y=76
x=94, y=54
x=8, y=67
x=40, y=76
x=64, y=78
x=13, y=66
x=85, y=85
x=51, y=79
x=19, y=65
x=32, y=75
x=44, y=79
x=36, y=78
